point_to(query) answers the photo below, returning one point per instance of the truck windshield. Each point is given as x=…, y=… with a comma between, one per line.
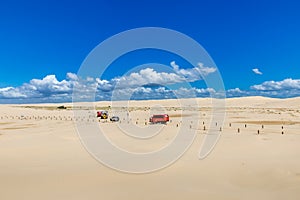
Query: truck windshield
x=158, y=116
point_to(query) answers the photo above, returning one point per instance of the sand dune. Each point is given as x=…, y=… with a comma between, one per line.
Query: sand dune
x=257, y=156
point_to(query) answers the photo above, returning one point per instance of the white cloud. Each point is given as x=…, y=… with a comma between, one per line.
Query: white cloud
x=175, y=66
x=193, y=92
x=72, y=76
x=257, y=71
x=282, y=89
x=142, y=83
x=49, y=86
x=160, y=93
x=204, y=71
x=236, y=92
x=11, y=92
x=146, y=76
x=193, y=74
x=150, y=77
x=286, y=84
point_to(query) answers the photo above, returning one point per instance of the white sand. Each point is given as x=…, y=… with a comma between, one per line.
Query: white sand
x=41, y=157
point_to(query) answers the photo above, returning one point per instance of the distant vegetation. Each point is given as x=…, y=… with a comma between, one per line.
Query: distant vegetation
x=61, y=107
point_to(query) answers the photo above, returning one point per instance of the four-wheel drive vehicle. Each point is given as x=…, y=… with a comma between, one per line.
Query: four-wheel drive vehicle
x=114, y=119
x=103, y=114
x=163, y=119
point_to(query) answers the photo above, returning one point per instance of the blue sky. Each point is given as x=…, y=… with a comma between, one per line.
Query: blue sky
x=44, y=38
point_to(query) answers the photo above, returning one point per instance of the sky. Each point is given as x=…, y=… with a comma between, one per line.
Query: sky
x=254, y=45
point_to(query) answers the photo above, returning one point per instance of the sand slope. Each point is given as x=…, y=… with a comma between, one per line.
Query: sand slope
x=41, y=156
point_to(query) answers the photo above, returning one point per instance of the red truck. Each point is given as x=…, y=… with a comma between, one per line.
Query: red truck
x=155, y=119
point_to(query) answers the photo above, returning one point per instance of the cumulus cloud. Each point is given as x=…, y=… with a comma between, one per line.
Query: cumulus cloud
x=38, y=88
x=160, y=93
x=151, y=77
x=236, y=92
x=72, y=76
x=286, y=84
x=183, y=92
x=146, y=84
x=175, y=66
x=48, y=85
x=193, y=74
x=282, y=89
x=11, y=92
x=257, y=71
x=146, y=76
